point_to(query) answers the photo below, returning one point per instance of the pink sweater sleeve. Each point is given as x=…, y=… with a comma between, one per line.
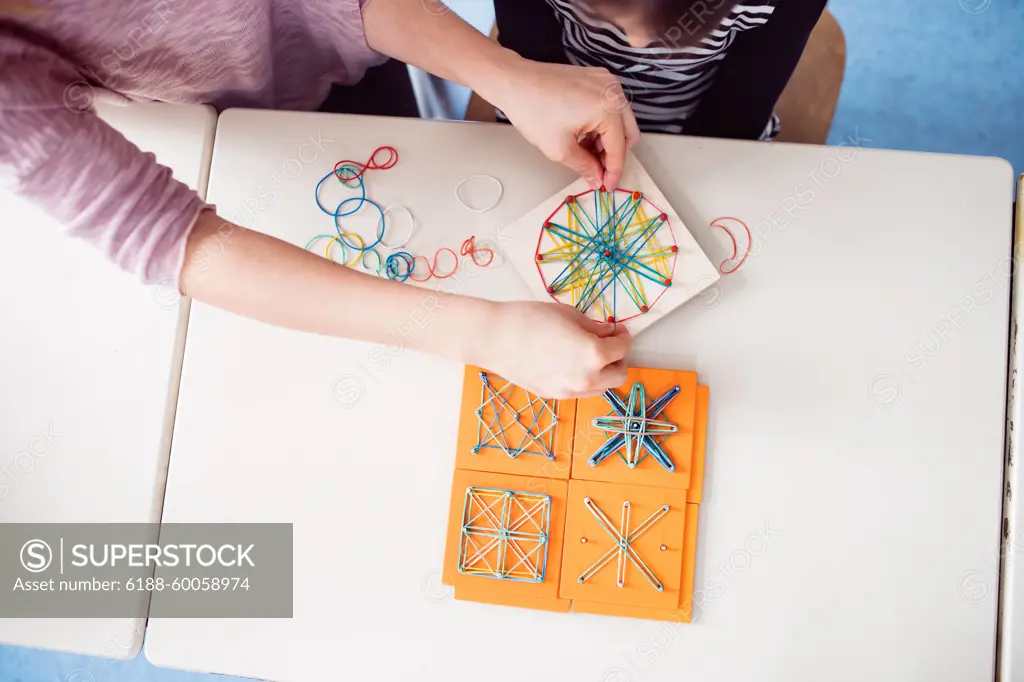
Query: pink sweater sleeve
x=82, y=172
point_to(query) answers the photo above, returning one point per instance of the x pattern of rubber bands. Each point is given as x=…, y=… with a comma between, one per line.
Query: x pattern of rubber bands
x=609, y=253
x=622, y=548
x=633, y=428
x=505, y=534
x=512, y=430
x=399, y=265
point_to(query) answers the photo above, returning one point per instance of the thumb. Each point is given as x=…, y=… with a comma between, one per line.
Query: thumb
x=614, y=348
x=612, y=376
x=585, y=163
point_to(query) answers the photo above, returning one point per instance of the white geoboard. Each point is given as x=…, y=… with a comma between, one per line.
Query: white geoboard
x=623, y=255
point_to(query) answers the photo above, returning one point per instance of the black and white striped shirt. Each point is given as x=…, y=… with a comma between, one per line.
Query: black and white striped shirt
x=663, y=83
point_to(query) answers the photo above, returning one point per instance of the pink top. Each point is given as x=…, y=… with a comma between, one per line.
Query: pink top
x=281, y=54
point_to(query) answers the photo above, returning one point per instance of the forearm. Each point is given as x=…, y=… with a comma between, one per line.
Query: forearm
x=439, y=42
x=260, y=277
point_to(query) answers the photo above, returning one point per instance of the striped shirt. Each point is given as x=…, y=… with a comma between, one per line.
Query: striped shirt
x=663, y=83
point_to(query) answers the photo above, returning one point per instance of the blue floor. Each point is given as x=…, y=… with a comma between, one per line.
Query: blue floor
x=925, y=75
x=934, y=75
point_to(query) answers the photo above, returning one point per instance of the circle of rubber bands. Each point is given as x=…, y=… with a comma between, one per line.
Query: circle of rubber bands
x=469, y=249
x=392, y=266
x=372, y=163
x=381, y=222
x=316, y=193
x=432, y=269
x=497, y=200
x=735, y=249
x=412, y=226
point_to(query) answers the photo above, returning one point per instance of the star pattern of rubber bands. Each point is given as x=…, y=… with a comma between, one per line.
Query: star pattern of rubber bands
x=633, y=428
x=622, y=544
x=609, y=253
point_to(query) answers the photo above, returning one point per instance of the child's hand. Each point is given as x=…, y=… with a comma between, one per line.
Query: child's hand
x=556, y=106
x=553, y=350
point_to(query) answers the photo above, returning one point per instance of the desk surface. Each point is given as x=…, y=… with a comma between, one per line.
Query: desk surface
x=89, y=367
x=853, y=475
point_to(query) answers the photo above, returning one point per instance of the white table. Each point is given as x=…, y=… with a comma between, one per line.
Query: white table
x=1008, y=562
x=875, y=494
x=89, y=361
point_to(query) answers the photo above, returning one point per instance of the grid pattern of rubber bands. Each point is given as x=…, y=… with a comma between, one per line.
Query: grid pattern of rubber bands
x=505, y=534
x=514, y=431
x=610, y=254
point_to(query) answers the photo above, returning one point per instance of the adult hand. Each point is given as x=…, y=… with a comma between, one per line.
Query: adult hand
x=553, y=350
x=558, y=107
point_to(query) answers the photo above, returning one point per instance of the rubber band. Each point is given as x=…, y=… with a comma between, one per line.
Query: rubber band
x=721, y=266
x=412, y=226
x=392, y=267
x=314, y=240
x=469, y=249
x=341, y=240
x=432, y=269
x=350, y=174
x=380, y=264
x=344, y=254
x=371, y=164
x=501, y=192
x=380, y=222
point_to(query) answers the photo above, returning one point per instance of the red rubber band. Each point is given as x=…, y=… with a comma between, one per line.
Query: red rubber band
x=469, y=249
x=735, y=249
x=372, y=163
x=432, y=269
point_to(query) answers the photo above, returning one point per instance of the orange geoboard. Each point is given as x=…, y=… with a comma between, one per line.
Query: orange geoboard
x=586, y=505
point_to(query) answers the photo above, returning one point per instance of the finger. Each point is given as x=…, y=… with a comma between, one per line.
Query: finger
x=595, y=327
x=612, y=376
x=585, y=163
x=613, y=348
x=631, y=127
x=613, y=140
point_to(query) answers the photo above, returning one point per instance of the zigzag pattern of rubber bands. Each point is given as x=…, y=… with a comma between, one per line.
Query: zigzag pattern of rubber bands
x=505, y=534
x=610, y=254
x=512, y=430
x=633, y=427
x=623, y=550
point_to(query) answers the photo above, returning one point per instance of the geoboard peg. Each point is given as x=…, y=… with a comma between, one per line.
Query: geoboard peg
x=547, y=224
x=570, y=199
x=643, y=309
x=603, y=188
x=663, y=548
x=668, y=282
x=674, y=249
x=551, y=290
x=663, y=216
x=540, y=256
x=611, y=318
x=637, y=196
x=583, y=541
x=607, y=253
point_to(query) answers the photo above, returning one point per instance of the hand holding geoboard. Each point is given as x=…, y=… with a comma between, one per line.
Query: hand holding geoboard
x=618, y=255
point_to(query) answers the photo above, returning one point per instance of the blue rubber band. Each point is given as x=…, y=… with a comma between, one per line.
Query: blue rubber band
x=392, y=267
